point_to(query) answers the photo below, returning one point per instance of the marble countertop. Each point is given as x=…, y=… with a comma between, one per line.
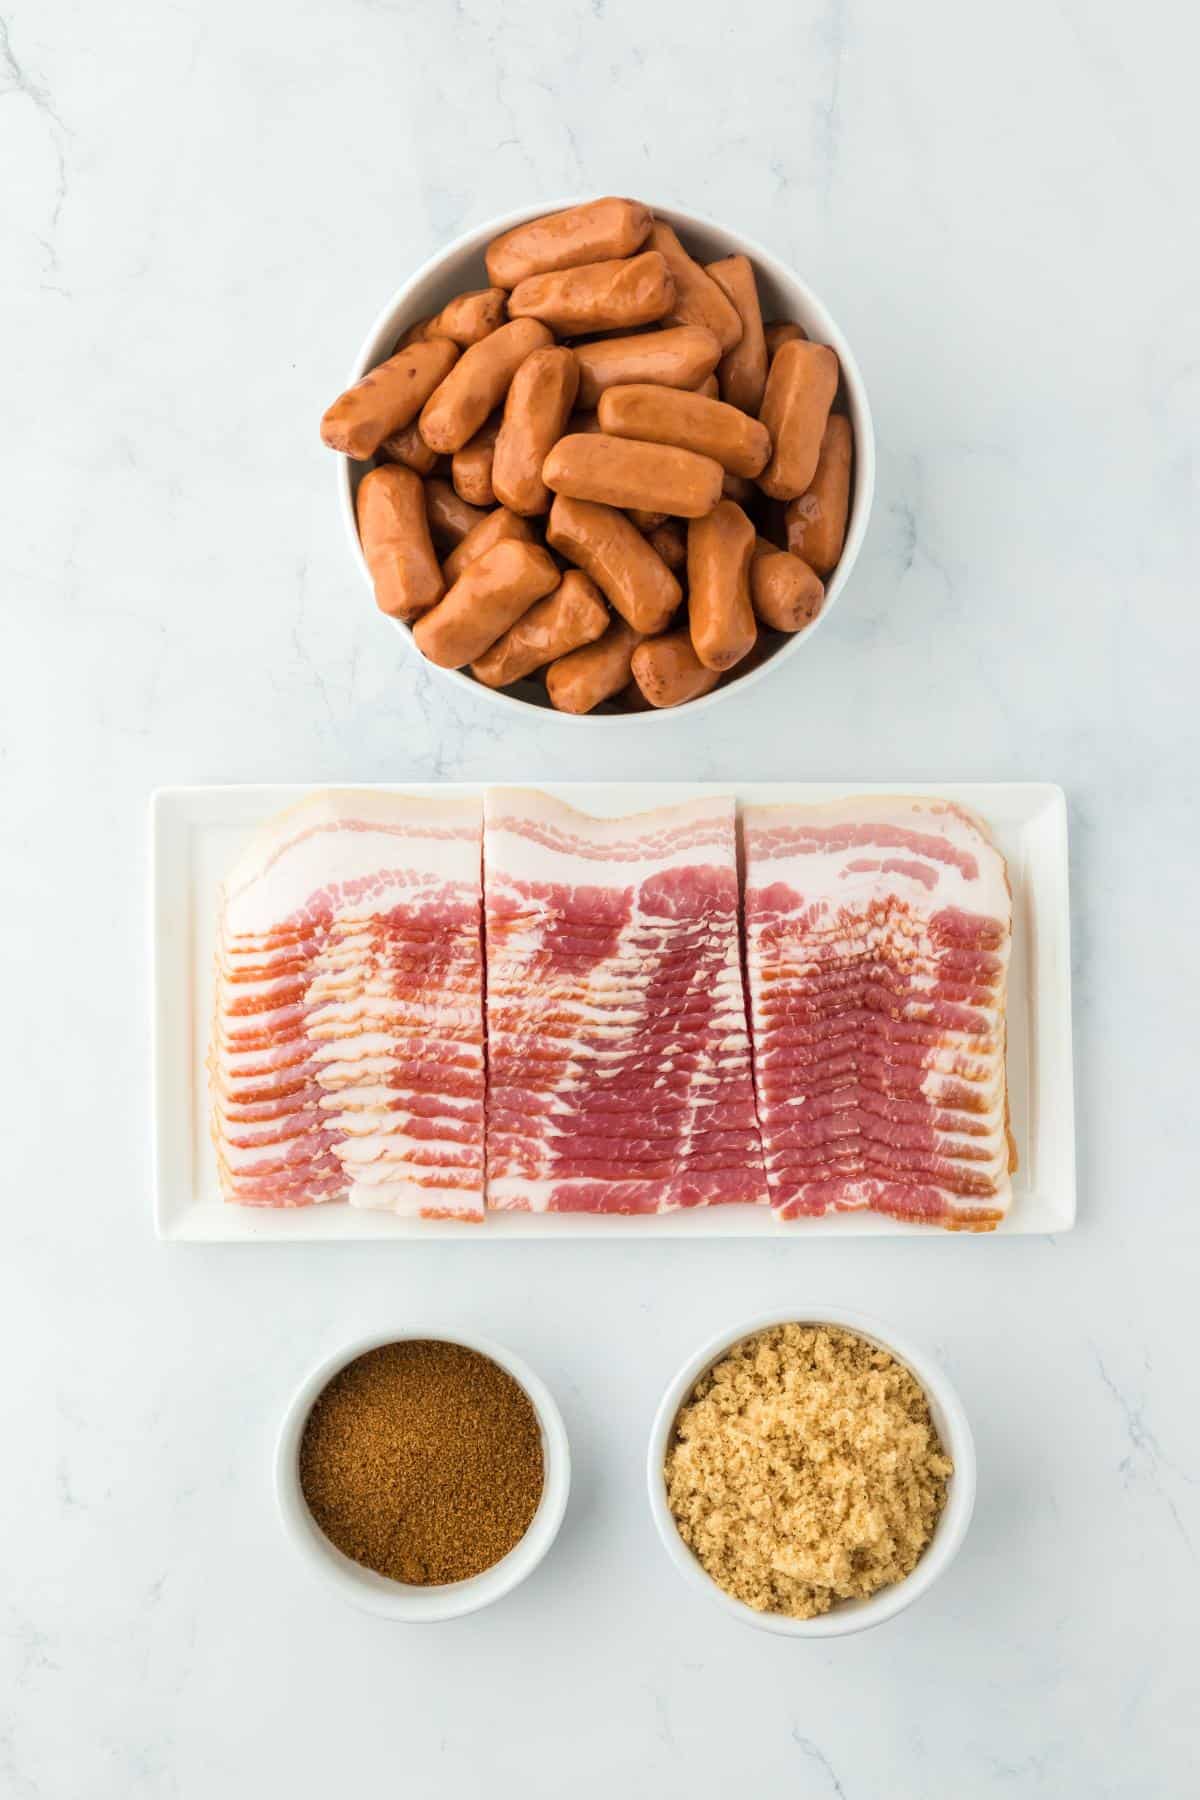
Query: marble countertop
x=203, y=208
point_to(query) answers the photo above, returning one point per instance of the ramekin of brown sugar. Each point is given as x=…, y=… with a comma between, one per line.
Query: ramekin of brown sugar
x=812, y=1472
x=422, y=1474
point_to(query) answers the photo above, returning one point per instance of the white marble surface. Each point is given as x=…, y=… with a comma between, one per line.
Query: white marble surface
x=201, y=209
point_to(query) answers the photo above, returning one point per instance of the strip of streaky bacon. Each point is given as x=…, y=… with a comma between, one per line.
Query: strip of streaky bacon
x=347, y=1059
x=878, y=934
x=619, y=1075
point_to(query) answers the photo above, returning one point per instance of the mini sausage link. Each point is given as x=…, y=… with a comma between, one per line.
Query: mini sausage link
x=698, y=299
x=407, y=446
x=646, y=522
x=573, y=615
x=710, y=387
x=477, y=384
x=564, y=240
x=471, y=467
x=581, y=421
x=580, y=681
x=535, y=415
x=632, y=699
x=603, y=296
x=670, y=542
x=493, y=528
x=708, y=427
x=451, y=517
x=720, y=615
x=742, y=372
x=679, y=358
x=668, y=672
x=816, y=522
x=387, y=398
x=469, y=318
x=622, y=472
x=416, y=334
x=785, y=593
x=603, y=542
x=800, y=388
x=488, y=597
x=394, y=533
x=782, y=331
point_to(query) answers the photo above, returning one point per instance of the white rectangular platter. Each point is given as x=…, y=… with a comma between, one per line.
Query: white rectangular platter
x=196, y=834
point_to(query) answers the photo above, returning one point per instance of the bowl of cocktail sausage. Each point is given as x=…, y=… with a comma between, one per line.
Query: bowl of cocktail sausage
x=604, y=459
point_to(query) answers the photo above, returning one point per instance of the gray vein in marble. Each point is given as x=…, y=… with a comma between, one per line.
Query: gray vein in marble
x=814, y=1754
x=1145, y=1455
x=19, y=80
x=832, y=34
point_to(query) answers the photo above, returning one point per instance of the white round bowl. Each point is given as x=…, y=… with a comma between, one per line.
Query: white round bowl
x=947, y=1412
x=376, y=1593
x=460, y=266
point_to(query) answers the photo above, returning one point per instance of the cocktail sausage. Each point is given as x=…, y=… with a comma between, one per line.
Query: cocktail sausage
x=488, y=597
x=387, y=398
x=394, y=533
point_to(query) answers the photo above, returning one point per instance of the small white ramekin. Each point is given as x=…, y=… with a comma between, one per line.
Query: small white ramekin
x=376, y=1593
x=460, y=266
x=949, y=1417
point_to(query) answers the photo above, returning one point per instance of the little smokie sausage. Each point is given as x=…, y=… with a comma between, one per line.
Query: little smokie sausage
x=679, y=358
x=720, y=616
x=621, y=472
x=470, y=317
x=573, y=615
x=488, y=597
x=407, y=446
x=785, y=593
x=580, y=681
x=385, y=400
x=394, y=534
x=535, y=415
x=415, y=334
x=710, y=387
x=709, y=427
x=736, y=487
x=450, y=516
x=698, y=299
x=563, y=240
x=603, y=542
x=493, y=528
x=800, y=387
x=477, y=384
x=603, y=296
x=670, y=542
x=816, y=522
x=742, y=372
x=471, y=467
x=646, y=522
x=668, y=671
x=782, y=331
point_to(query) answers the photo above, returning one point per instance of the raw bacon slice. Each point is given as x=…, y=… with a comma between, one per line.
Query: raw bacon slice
x=878, y=932
x=619, y=1075
x=347, y=1058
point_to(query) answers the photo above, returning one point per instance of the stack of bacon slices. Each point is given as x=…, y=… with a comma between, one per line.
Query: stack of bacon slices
x=619, y=1063
x=878, y=932
x=631, y=1066
x=347, y=1058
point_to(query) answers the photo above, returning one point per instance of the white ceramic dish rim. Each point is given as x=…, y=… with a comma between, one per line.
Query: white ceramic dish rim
x=375, y=1593
x=949, y=1415
x=1029, y=818
x=390, y=321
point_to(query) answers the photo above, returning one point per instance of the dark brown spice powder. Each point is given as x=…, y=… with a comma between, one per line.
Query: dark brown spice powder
x=423, y=1460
